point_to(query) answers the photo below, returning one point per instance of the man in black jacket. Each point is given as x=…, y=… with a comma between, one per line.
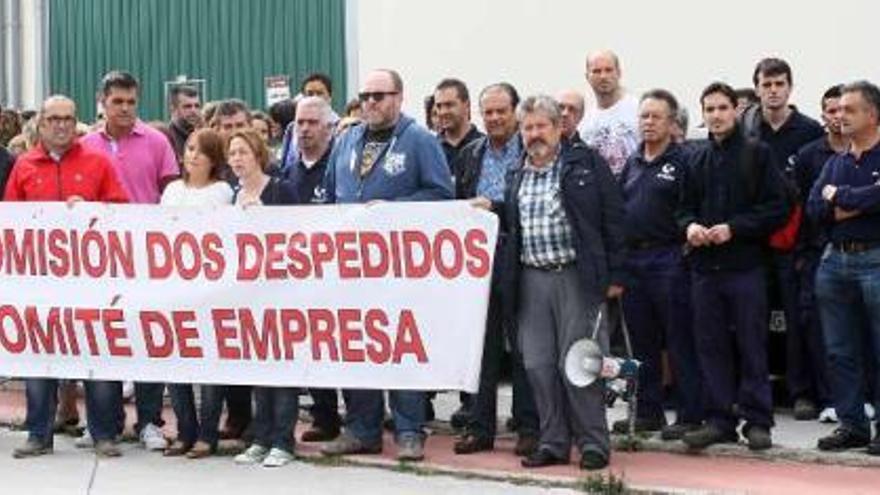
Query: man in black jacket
x=733, y=200
x=482, y=168
x=564, y=216
x=185, y=115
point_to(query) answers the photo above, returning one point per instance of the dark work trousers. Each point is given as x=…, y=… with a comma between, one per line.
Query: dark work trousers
x=656, y=305
x=782, y=269
x=484, y=405
x=730, y=320
x=554, y=312
x=325, y=409
x=239, y=407
x=806, y=373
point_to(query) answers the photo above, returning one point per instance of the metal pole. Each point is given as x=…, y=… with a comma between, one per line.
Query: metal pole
x=15, y=62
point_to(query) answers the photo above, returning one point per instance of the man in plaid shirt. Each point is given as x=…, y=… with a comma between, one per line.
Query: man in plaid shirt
x=564, y=216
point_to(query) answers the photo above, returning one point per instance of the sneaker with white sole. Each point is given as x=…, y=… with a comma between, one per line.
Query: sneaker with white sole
x=869, y=411
x=152, y=438
x=828, y=415
x=254, y=454
x=85, y=441
x=277, y=458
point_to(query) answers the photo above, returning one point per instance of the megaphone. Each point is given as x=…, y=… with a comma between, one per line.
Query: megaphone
x=584, y=363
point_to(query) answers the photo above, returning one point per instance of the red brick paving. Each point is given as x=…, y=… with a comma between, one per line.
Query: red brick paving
x=640, y=469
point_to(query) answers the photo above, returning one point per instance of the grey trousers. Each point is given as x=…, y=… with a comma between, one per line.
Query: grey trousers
x=553, y=313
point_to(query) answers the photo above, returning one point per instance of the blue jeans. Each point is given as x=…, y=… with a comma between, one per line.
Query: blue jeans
x=366, y=408
x=203, y=426
x=148, y=402
x=848, y=291
x=104, y=415
x=42, y=402
x=275, y=418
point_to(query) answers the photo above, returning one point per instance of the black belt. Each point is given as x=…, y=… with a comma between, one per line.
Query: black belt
x=552, y=268
x=855, y=246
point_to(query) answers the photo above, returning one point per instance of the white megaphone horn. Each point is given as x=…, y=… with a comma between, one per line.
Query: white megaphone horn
x=584, y=362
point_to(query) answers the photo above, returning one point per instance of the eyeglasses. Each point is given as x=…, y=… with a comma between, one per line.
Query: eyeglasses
x=376, y=96
x=60, y=120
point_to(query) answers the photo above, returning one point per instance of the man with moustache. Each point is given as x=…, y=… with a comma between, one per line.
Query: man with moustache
x=733, y=201
x=564, y=216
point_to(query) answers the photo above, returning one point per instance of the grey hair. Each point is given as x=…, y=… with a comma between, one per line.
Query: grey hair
x=543, y=104
x=54, y=99
x=869, y=92
x=320, y=103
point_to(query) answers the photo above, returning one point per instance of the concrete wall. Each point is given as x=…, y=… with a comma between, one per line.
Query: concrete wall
x=681, y=45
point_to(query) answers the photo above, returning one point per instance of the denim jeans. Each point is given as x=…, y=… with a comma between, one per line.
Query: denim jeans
x=148, y=402
x=42, y=402
x=848, y=291
x=366, y=408
x=203, y=426
x=275, y=418
x=104, y=414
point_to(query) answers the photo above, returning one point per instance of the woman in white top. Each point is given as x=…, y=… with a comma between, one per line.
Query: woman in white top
x=204, y=159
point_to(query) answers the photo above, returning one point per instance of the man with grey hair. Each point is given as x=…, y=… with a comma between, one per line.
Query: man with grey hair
x=571, y=104
x=314, y=134
x=564, y=216
x=612, y=126
x=845, y=199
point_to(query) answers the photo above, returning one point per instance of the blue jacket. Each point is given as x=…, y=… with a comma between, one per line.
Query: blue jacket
x=411, y=167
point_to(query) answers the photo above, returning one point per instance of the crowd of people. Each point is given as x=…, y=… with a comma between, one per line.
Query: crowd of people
x=608, y=215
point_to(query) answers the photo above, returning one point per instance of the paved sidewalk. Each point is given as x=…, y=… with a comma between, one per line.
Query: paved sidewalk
x=729, y=470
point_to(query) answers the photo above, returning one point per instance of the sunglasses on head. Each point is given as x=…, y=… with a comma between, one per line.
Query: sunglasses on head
x=376, y=96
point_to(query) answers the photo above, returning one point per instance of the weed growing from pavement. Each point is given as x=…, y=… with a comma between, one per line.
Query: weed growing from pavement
x=601, y=484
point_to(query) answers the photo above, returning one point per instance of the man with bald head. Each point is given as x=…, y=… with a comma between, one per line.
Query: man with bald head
x=612, y=125
x=571, y=104
x=388, y=157
x=59, y=168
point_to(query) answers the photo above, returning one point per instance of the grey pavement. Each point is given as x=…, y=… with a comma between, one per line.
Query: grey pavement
x=137, y=472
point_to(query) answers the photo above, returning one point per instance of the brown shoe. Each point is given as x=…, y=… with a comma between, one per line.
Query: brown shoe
x=32, y=448
x=107, y=448
x=318, y=434
x=199, y=450
x=526, y=445
x=177, y=449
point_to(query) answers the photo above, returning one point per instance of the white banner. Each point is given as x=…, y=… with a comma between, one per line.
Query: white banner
x=389, y=296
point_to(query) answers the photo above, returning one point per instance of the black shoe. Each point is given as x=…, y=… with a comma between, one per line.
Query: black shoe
x=874, y=446
x=842, y=439
x=525, y=445
x=758, y=437
x=470, y=443
x=676, y=431
x=708, y=435
x=460, y=418
x=592, y=460
x=542, y=458
x=319, y=434
x=643, y=425
x=805, y=410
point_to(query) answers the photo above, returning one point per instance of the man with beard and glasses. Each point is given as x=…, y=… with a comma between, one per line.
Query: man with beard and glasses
x=564, y=217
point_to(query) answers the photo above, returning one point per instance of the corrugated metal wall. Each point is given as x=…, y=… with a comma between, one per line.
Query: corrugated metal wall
x=233, y=44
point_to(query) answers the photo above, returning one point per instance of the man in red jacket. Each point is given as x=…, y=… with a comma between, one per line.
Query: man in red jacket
x=59, y=168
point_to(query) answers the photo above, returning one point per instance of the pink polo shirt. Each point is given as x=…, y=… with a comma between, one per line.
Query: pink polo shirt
x=141, y=159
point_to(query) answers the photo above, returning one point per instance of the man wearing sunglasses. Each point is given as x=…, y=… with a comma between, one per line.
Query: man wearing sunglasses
x=386, y=158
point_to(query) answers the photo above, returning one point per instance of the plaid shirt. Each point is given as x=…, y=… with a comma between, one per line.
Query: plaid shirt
x=546, y=232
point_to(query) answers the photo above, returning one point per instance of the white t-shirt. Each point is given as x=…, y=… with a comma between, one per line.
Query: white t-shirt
x=613, y=131
x=179, y=194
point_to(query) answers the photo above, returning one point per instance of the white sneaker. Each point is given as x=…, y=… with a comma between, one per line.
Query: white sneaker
x=253, y=455
x=828, y=415
x=152, y=438
x=869, y=411
x=85, y=441
x=277, y=458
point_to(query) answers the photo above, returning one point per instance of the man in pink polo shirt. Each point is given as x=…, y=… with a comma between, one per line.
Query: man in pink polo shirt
x=145, y=163
x=143, y=158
